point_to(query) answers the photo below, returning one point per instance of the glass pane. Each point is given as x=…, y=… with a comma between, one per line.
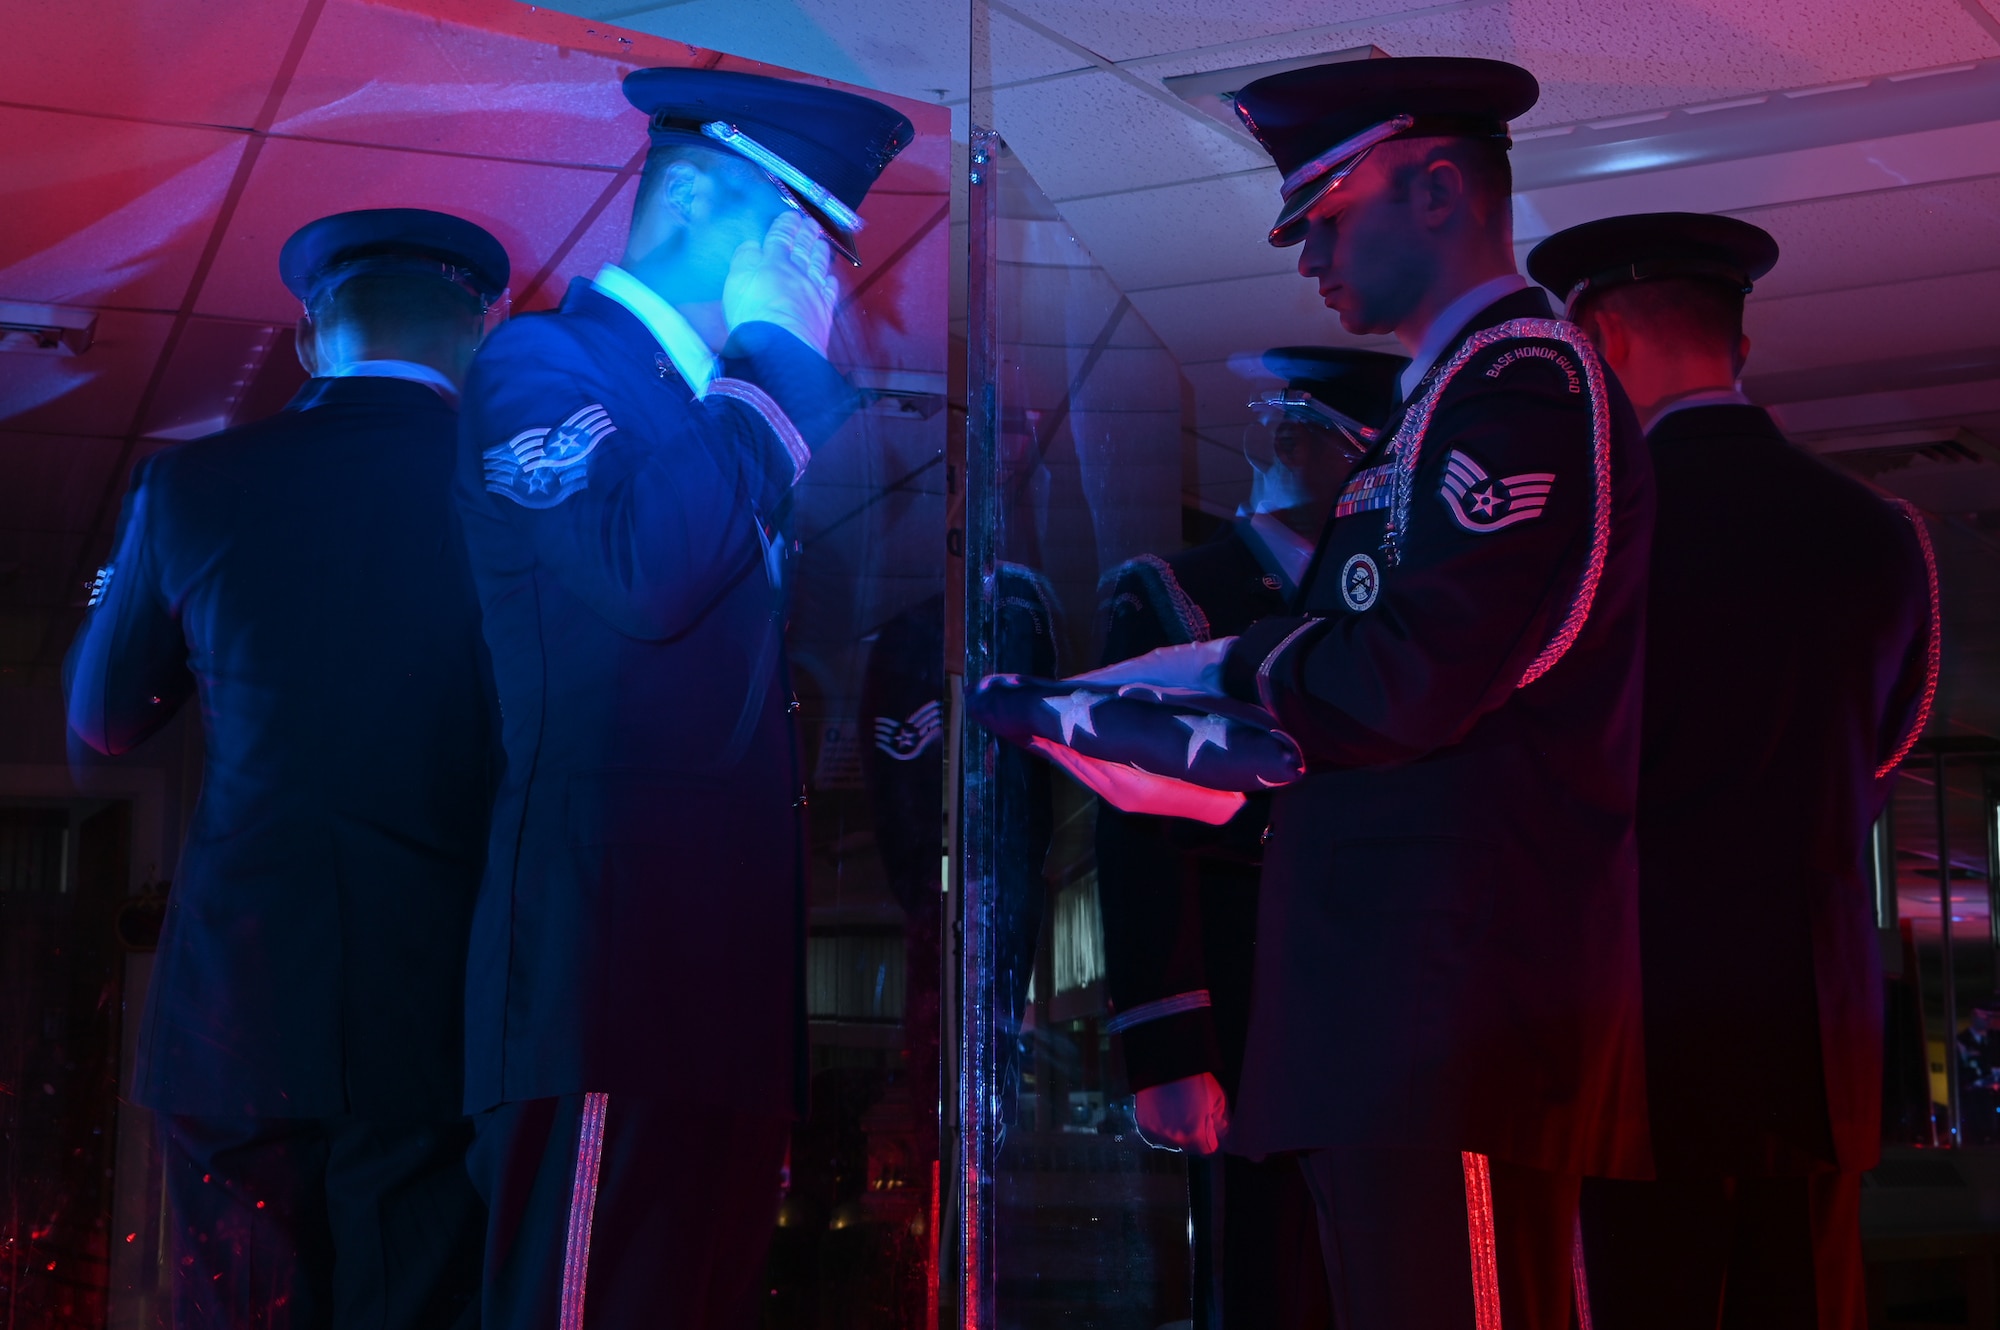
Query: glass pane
x=171, y=221
x=1078, y=461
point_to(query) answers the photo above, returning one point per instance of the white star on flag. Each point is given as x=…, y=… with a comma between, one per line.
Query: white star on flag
x=1204, y=730
x=1074, y=709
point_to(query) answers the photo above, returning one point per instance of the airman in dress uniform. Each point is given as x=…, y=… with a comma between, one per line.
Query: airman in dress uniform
x=1445, y=1014
x=304, y=577
x=1180, y=899
x=1790, y=660
x=635, y=1007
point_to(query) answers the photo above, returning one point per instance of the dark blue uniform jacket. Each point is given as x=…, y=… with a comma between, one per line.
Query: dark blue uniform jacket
x=1447, y=947
x=641, y=926
x=303, y=578
x=1786, y=662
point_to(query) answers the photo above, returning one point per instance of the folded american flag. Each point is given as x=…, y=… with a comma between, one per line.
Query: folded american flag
x=1176, y=752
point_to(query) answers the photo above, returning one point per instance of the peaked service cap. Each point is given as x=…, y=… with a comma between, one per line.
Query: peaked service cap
x=1318, y=122
x=415, y=240
x=824, y=147
x=1362, y=385
x=1615, y=251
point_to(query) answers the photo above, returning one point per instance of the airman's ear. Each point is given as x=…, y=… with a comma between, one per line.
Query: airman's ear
x=1742, y=352
x=1442, y=190
x=306, y=344
x=682, y=185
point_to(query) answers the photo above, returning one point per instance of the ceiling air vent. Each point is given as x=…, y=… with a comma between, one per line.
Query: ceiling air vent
x=1956, y=472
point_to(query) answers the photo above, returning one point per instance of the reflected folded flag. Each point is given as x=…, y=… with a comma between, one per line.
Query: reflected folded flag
x=1172, y=752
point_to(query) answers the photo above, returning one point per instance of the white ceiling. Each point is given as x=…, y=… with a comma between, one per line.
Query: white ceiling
x=1887, y=209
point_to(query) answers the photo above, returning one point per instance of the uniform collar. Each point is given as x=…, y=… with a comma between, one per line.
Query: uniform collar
x=1451, y=321
x=691, y=355
x=369, y=389
x=399, y=369
x=1701, y=397
x=1286, y=547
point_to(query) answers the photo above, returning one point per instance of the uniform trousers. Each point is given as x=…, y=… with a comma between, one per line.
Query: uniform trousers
x=318, y=1223
x=623, y=1212
x=1256, y=1246
x=1779, y=1253
x=1434, y=1240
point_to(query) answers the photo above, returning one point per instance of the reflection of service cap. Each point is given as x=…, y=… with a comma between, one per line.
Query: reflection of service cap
x=1616, y=250
x=823, y=147
x=413, y=241
x=1361, y=385
x=1319, y=122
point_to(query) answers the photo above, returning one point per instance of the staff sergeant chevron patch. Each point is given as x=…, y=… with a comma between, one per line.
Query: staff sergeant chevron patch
x=1483, y=504
x=539, y=468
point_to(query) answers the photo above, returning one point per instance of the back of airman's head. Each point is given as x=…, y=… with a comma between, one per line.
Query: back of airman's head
x=1672, y=281
x=393, y=284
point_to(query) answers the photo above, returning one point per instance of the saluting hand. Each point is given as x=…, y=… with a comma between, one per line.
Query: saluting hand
x=785, y=280
x=1190, y=1114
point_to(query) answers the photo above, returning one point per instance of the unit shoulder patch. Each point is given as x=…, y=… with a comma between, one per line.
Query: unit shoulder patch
x=1483, y=504
x=1551, y=354
x=1360, y=582
x=539, y=468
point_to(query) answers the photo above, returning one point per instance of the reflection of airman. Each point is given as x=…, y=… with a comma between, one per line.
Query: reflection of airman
x=302, y=1036
x=635, y=1008
x=1180, y=899
x=1787, y=646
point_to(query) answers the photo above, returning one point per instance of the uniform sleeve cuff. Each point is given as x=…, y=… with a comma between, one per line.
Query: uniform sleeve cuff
x=1172, y=1048
x=1245, y=663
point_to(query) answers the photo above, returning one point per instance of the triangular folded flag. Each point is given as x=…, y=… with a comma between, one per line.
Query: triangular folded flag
x=1175, y=752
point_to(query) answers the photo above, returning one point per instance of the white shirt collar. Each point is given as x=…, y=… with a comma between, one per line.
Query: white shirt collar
x=398, y=369
x=1700, y=397
x=1292, y=550
x=691, y=355
x=1451, y=320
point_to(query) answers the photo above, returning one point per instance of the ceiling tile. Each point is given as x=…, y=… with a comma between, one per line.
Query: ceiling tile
x=1957, y=152
x=530, y=208
x=107, y=211
x=1070, y=307
x=1182, y=233
x=1599, y=58
x=383, y=75
x=94, y=393
x=1869, y=239
x=1134, y=29
x=914, y=47
x=206, y=61
x=214, y=364
x=603, y=242
x=900, y=319
x=1935, y=316
x=1132, y=139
